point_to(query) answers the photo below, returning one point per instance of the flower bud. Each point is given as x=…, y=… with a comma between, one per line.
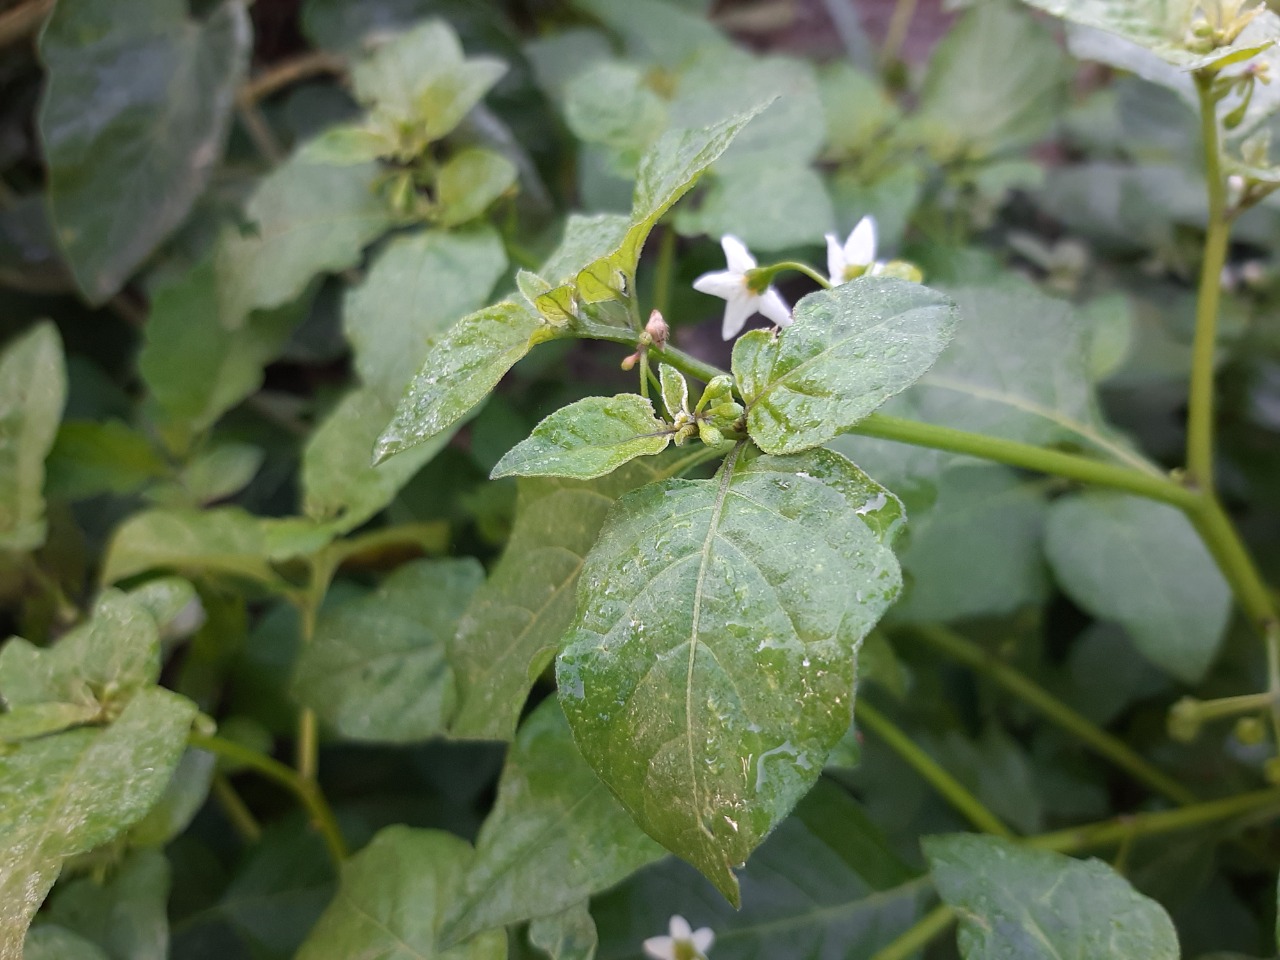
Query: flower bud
x=657, y=329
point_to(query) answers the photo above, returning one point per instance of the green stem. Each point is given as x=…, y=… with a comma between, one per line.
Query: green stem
x=1017, y=683
x=307, y=791
x=237, y=811
x=951, y=789
x=1200, y=399
x=323, y=566
x=1220, y=536
x=896, y=35
x=925, y=930
x=664, y=269
x=1055, y=462
x=644, y=373
x=687, y=364
x=768, y=273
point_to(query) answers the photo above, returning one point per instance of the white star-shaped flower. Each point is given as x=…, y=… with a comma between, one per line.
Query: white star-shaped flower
x=684, y=943
x=856, y=257
x=731, y=285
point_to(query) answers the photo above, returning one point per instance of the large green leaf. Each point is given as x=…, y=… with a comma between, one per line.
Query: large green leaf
x=127, y=915
x=1018, y=902
x=710, y=667
x=588, y=439
x=849, y=349
x=556, y=834
x=766, y=203
x=304, y=219
x=68, y=793
x=825, y=886
x=1142, y=565
x=48, y=942
x=392, y=898
x=515, y=622
x=611, y=104
x=377, y=668
x=33, y=388
x=567, y=935
x=134, y=118
x=418, y=286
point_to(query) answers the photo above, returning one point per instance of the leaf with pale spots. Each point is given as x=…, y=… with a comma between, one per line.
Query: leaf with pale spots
x=710, y=668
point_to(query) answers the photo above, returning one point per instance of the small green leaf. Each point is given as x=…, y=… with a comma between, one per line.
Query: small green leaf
x=609, y=103
x=513, y=627
x=710, y=667
x=1018, y=902
x=90, y=458
x=849, y=349
x=125, y=916
x=377, y=668
x=675, y=390
x=469, y=182
x=214, y=474
x=349, y=144
x=392, y=899
x=1142, y=565
x=33, y=389
x=588, y=439
x=556, y=834
x=567, y=935
x=460, y=369
x=225, y=540
x=129, y=155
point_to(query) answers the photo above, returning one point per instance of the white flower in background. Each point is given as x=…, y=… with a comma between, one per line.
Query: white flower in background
x=186, y=621
x=857, y=257
x=684, y=943
x=741, y=299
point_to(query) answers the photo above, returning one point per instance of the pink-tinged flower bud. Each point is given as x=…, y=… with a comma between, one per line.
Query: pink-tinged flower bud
x=657, y=329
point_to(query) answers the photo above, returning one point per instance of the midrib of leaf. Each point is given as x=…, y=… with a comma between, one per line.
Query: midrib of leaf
x=383, y=927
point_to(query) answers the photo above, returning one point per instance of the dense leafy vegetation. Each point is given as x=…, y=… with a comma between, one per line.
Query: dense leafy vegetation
x=400, y=562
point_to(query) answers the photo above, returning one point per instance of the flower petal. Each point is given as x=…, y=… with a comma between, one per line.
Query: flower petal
x=860, y=248
x=835, y=260
x=736, y=254
x=736, y=312
x=679, y=927
x=660, y=948
x=774, y=307
x=724, y=284
x=703, y=938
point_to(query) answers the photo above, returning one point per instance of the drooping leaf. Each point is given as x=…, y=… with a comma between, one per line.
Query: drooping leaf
x=33, y=388
x=1141, y=564
x=515, y=622
x=377, y=668
x=588, y=439
x=392, y=898
x=469, y=182
x=556, y=834
x=462, y=365
x=849, y=349
x=710, y=666
x=127, y=915
x=134, y=119
x=567, y=935
x=1015, y=901
x=825, y=885
x=417, y=287
x=68, y=793
x=305, y=218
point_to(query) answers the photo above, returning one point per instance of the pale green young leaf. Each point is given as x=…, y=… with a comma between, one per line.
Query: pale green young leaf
x=513, y=626
x=586, y=238
x=462, y=365
x=351, y=143
x=91, y=458
x=710, y=667
x=305, y=218
x=848, y=350
x=1034, y=904
x=223, y=540
x=675, y=390
x=469, y=182
x=33, y=389
x=48, y=942
x=66, y=794
x=129, y=155
x=392, y=899
x=567, y=935
x=126, y=916
x=1142, y=565
x=378, y=667
x=588, y=439
x=555, y=836
x=825, y=884
x=418, y=286
x=610, y=103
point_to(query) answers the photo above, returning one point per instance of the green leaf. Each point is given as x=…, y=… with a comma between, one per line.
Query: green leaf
x=33, y=389
x=675, y=390
x=47, y=942
x=224, y=540
x=853, y=132
x=767, y=204
x=654, y=31
x=825, y=884
x=125, y=916
x=182, y=799
x=1018, y=902
x=586, y=238
x=513, y=626
x=304, y=219
x=710, y=667
x=556, y=834
x=469, y=182
x=392, y=898
x=1142, y=565
x=66, y=794
x=995, y=83
x=420, y=284
x=609, y=103
x=90, y=458
x=339, y=485
x=214, y=474
x=134, y=118
x=567, y=935
x=462, y=365
x=848, y=350
x=377, y=668
x=588, y=439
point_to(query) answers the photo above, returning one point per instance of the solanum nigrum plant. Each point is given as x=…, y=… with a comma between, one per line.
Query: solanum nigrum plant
x=515, y=479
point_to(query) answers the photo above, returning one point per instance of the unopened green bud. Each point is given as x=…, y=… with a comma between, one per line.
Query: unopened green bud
x=709, y=435
x=1184, y=720
x=902, y=270
x=1250, y=730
